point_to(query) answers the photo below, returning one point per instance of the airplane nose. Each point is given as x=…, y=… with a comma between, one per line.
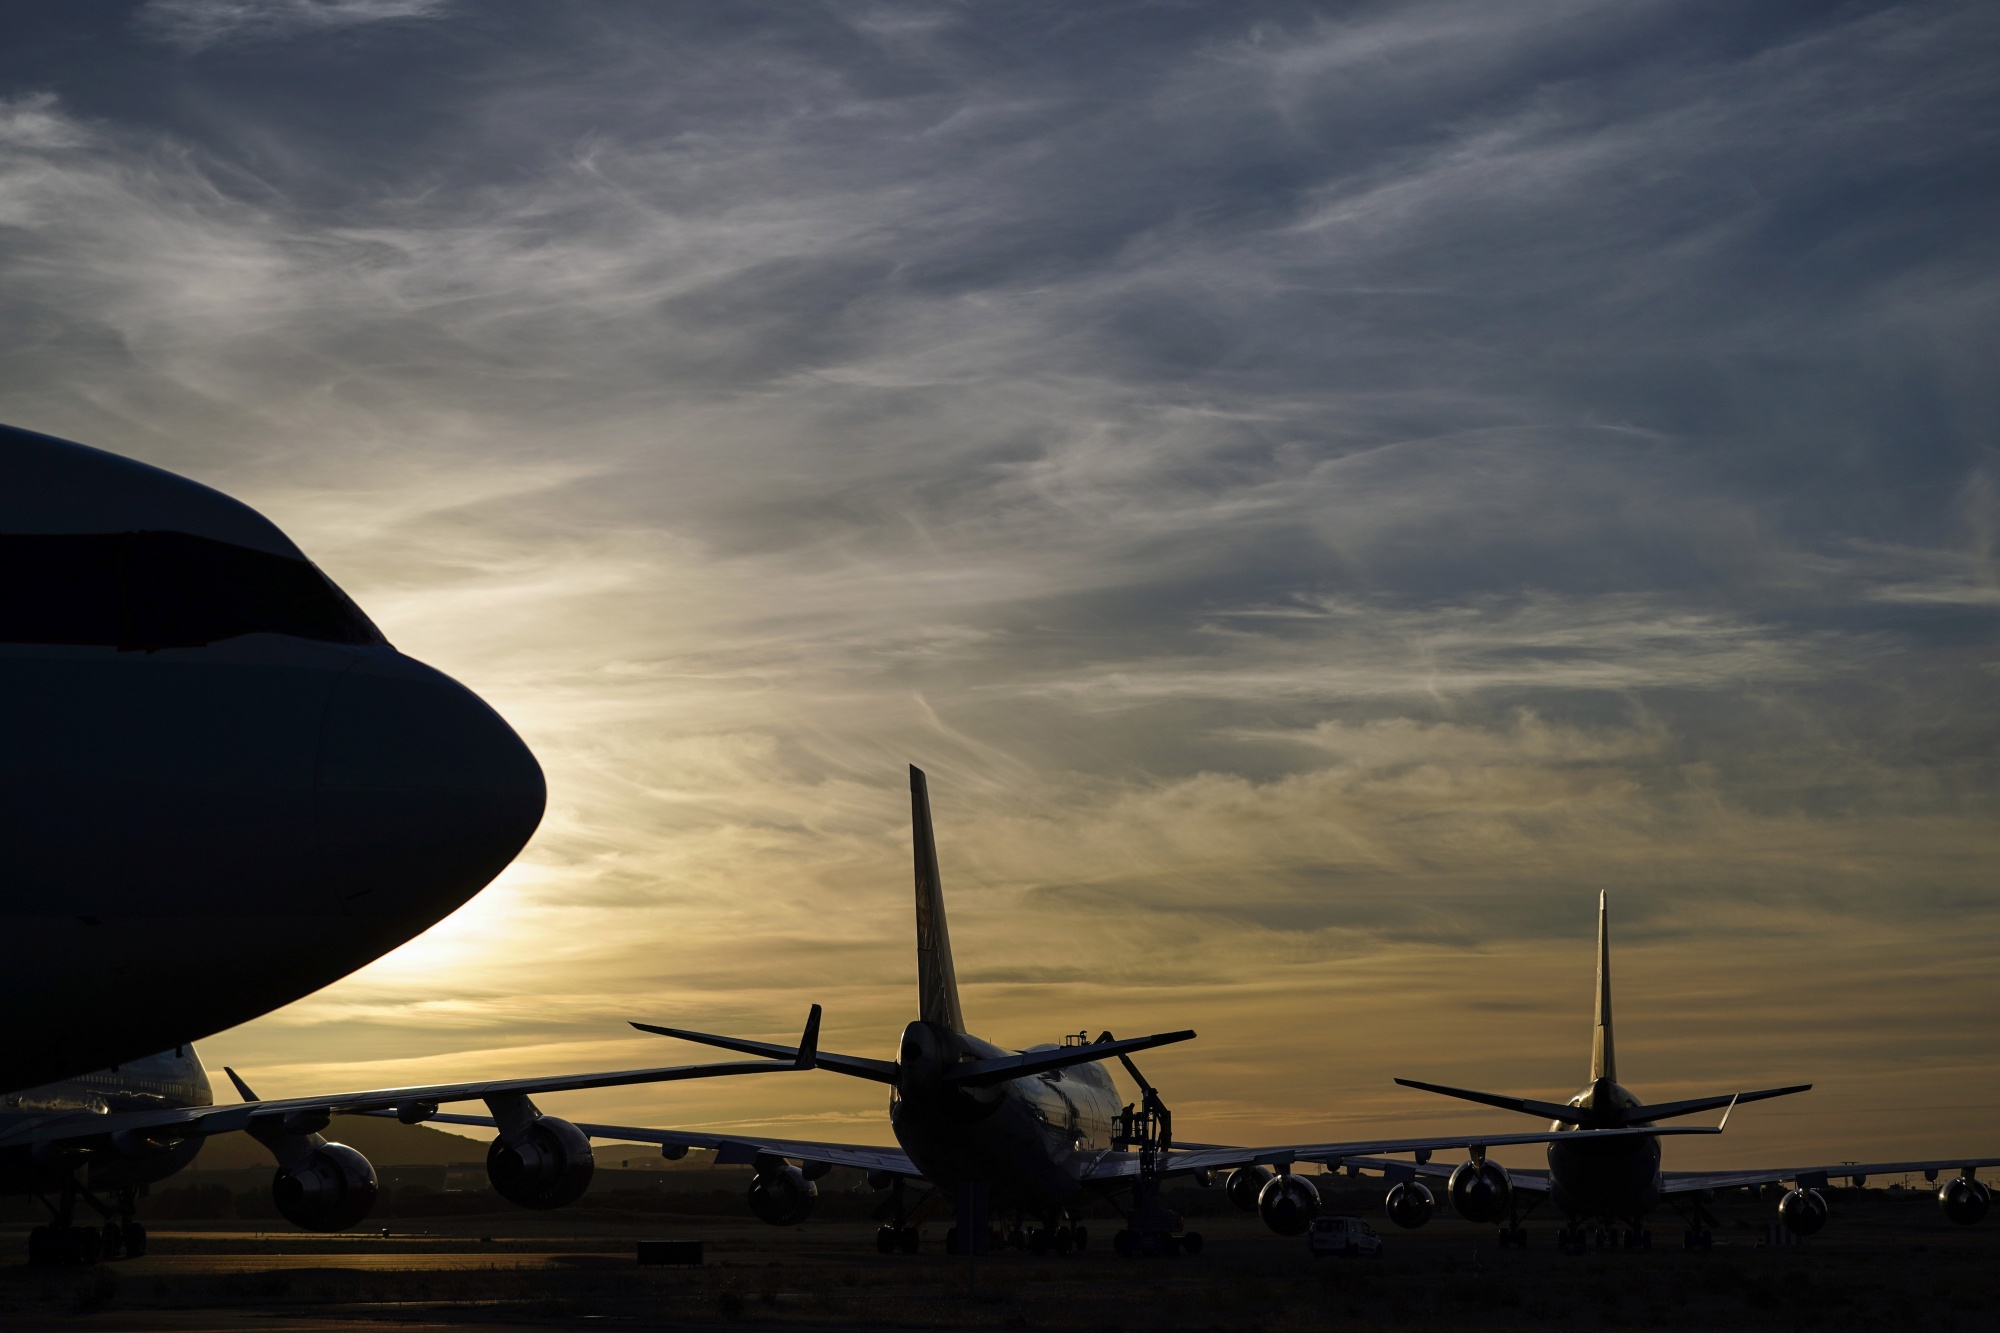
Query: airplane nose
x=424, y=793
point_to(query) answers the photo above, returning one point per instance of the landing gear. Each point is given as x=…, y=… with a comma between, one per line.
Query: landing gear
x=898, y=1233
x=905, y=1240
x=1515, y=1235
x=61, y=1242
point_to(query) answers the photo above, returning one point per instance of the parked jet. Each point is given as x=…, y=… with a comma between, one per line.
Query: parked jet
x=1036, y=1133
x=220, y=787
x=1605, y=1187
x=101, y=1138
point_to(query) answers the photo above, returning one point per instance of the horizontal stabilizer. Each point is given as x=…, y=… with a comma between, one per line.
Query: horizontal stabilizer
x=1668, y=1110
x=1001, y=1069
x=1525, y=1105
x=803, y=1056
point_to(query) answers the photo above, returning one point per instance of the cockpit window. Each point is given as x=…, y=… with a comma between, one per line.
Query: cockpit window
x=151, y=590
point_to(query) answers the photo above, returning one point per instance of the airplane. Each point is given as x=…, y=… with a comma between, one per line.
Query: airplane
x=103, y=1138
x=221, y=787
x=1606, y=1187
x=1037, y=1133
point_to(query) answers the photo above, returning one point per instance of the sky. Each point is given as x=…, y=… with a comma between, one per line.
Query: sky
x=1324, y=490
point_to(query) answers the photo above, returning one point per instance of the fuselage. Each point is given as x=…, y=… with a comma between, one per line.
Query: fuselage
x=165, y=1081
x=220, y=788
x=1028, y=1140
x=1616, y=1179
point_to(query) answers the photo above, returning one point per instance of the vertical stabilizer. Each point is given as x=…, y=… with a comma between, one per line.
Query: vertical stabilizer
x=1603, y=1062
x=937, y=982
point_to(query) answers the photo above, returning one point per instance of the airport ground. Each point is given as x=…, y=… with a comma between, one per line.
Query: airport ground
x=1887, y=1261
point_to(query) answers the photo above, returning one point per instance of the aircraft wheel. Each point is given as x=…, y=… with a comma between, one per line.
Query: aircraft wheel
x=885, y=1241
x=1122, y=1244
x=951, y=1240
x=1645, y=1240
x=83, y=1245
x=1688, y=1241
x=1191, y=1243
x=110, y=1241
x=1707, y=1239
x=1038, y=1241
x=1081, y=1236
x=908, y=1240
x=1064, y=1239
x=135, y=1240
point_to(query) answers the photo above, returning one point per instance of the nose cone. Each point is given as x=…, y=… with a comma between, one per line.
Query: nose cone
x=424, y=793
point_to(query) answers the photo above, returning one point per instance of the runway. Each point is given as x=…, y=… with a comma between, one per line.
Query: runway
x=1887, y=1261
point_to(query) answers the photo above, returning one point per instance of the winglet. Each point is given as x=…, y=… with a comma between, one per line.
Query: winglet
x=937, y=981
x=1603, y=1063
x=808, y=1056
x=242, y=1088
x=1724, y=1124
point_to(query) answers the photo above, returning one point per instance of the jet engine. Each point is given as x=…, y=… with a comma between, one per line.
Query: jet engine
x=547, y=1165
x=781, y=1195
x=1410, y=1204
x=1803, y=1211
x=1480, y=1191
x=1245, y=1184
x=331, y=1190
x=1963, y=1200
x=1288, y=1204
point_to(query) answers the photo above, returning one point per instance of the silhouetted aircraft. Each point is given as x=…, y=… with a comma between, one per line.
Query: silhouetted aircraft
x=1605, y=1188
x=220, y=789
x=1034, y=1134
x=99, y=1139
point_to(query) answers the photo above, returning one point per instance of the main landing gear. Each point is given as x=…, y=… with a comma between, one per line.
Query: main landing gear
x=1575, y=1238
x=1068, y=1236
x=62, y=1242
x=898, y=1233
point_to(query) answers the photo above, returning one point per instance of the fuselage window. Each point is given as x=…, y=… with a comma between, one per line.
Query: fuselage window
x=151, y=590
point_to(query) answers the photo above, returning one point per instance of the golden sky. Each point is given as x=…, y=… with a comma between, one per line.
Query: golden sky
x=1322, y=497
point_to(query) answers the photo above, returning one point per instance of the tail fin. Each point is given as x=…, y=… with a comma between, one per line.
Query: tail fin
x=937, y=982
x=1603, y=1062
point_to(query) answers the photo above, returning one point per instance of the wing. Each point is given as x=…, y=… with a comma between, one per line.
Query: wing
x=1535, y=1180
x=1115, y=1165
x=1817, y=1177
x=741, y=1149
x=306, y=1115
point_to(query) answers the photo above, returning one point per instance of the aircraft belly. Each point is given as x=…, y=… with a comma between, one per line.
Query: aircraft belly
x=1618, y=1178
x=1010, y=1152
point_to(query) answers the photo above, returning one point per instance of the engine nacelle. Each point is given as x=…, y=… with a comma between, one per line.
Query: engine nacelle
x=331, y=1190
x=1964, y=1200
x=1410, y=1204
x=1245, y=1184
x=548, y=1165
x=783, y=1197
x=1802, y=1211
x=1288, y=1204
x=1480, y=1191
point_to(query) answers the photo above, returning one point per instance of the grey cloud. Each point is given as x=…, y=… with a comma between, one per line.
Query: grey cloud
x=196, y=25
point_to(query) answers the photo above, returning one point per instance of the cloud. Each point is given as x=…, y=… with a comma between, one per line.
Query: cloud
x=197, y=25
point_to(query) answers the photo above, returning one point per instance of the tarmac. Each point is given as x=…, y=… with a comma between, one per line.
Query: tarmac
x=1887, y=1260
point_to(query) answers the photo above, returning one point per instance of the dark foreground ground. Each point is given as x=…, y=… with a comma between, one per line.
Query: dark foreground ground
x=1886, y=1262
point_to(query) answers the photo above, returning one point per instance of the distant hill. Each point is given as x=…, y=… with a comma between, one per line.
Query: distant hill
x=383, y=1142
